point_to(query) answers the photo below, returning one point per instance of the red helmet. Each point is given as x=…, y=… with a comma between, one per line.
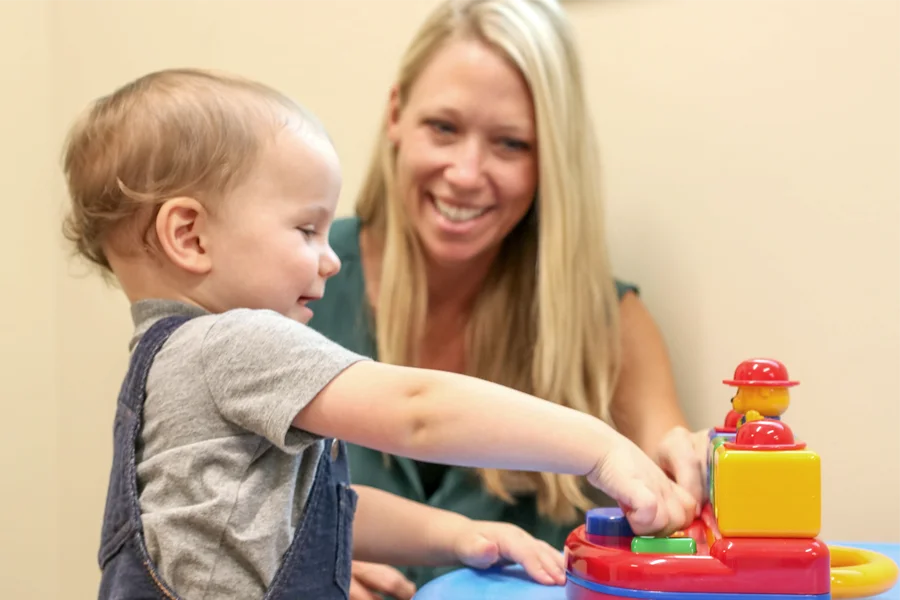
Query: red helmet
x=761, y=372
x=765, y=435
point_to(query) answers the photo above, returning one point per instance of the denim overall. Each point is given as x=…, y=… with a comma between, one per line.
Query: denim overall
x=316, y=566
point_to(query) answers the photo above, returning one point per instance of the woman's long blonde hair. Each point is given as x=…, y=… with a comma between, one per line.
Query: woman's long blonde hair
x=546, y=321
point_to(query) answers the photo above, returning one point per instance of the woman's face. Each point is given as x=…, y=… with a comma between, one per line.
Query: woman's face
x=466, y=152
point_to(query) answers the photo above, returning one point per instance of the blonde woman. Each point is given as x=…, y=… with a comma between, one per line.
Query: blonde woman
x=478, y=247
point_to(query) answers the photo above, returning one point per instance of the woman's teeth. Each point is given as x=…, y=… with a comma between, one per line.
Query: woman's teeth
x=458, y=214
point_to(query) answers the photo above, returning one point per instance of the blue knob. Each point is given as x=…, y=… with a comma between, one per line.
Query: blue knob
x=607, y=521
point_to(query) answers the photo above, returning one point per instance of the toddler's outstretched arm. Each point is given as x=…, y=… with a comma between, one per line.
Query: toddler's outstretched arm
x=454, y=419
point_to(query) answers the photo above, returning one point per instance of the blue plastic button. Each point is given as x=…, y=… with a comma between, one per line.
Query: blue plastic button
x=607, y=521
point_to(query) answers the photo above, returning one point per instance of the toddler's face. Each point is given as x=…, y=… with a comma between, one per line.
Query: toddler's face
x=268, y=241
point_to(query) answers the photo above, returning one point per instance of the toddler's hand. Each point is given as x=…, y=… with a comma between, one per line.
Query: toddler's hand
x=371, y=581
x=682, y=454
x=484, y=543
x=652, y=503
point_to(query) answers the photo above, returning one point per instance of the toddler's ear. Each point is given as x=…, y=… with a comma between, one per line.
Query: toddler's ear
x=181, y=229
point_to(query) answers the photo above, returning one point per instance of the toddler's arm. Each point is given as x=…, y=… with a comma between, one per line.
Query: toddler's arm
x=393, y=530
x=448, y=418
x=454, y=419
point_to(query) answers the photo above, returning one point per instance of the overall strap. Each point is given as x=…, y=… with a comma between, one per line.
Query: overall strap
x=134, y=392
x=135, y=384
x=122, y=515
x=340, y=465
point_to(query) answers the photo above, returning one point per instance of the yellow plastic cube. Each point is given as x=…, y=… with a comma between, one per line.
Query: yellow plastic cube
x=767, y=493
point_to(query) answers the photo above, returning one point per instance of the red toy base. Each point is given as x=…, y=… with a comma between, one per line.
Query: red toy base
x=720, y=565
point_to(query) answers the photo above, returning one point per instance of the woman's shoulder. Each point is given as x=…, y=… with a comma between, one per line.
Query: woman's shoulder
x=623, y=287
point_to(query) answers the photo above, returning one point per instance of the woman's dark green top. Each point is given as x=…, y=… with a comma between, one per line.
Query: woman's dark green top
x=341, y=315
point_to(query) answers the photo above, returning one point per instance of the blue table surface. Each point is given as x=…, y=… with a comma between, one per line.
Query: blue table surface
x=512, y=582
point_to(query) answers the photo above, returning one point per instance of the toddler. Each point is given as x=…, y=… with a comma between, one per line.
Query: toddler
x=208, y=199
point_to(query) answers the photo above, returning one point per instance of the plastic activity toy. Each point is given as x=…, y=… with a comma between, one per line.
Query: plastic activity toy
x=756, y=538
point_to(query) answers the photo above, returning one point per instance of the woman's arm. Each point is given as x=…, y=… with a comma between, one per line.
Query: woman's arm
x=645, y=406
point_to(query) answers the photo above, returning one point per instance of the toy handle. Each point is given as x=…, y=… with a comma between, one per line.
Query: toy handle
x=857, y=573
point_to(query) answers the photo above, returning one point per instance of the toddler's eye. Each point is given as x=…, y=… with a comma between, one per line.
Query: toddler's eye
x=307, y=231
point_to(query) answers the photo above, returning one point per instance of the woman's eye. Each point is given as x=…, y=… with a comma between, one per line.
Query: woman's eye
x=516, y=145
x=441, y=126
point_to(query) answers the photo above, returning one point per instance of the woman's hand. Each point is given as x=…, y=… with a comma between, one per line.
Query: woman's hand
x=482, y=544
x=682, y=454
x=372, y=581
x=650, y=500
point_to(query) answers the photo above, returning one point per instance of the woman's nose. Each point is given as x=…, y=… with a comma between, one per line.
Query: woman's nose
x=467, y=167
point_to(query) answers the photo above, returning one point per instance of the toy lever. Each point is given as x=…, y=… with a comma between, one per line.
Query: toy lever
x=857, y=573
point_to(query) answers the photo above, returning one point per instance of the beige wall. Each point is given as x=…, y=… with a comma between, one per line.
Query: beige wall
x=752, y=164
x=29, y=453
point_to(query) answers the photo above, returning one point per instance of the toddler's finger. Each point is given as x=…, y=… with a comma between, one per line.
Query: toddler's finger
x=479, y=552
x=679, y=457
x=686, y=469
x=534, y=565
x=523, y=551
x=689, y=502
x=360, y=592
x=640, y=505
x=676, y=517
x=558, y=558
x=680, y=506
x=553, y=562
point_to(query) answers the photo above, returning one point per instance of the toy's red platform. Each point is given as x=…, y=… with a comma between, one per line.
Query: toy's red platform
x=605, y=560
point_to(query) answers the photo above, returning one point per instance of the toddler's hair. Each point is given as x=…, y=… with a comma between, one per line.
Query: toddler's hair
x=171, y=133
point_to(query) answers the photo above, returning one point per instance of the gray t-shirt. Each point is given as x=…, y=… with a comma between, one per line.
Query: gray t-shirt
x=223, y=478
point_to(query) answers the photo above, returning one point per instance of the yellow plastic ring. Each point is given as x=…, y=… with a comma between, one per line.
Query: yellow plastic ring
x=857, y=573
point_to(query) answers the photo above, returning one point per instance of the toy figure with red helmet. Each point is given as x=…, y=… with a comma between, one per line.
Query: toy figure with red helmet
x=762, y=390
